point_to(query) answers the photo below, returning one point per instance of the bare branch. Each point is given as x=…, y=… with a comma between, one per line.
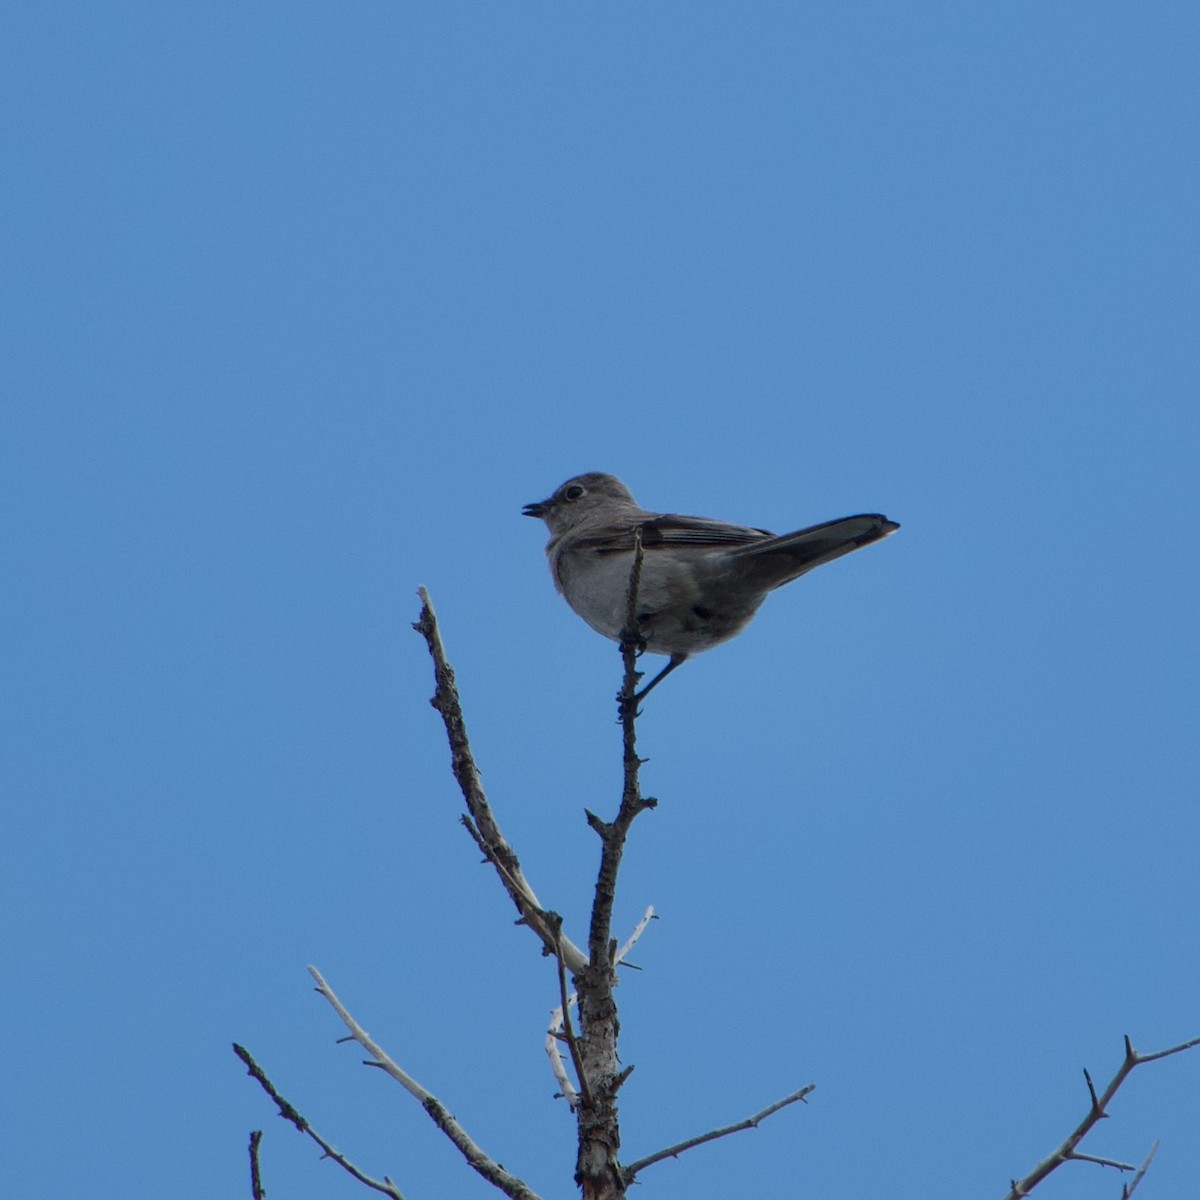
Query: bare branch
x=613, y=836
x=559, y=1022
x=749, y=1123
x=569, y=1033
x=1145, y=1058
x=638, y=930
x=486, y=1166
x=289, y=1113
x=597, y=1170
x=482, y=824
x=256, y=1187
x=1128, y=1189
x=1096, y=1112
x=1102, y=1162
x=553, y=1036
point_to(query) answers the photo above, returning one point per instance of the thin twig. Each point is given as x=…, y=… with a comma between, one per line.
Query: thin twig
x=1097, y=1107
x=289, y=1113
x=569, y=1033
x=554, y=1032
x=1102, y=1162
x=638, y=930
x=1146, y=1058
x=1128, y=1189
x=256, y=1188
x=749, y=1123
x=483, y=1163
x=554, y=1036
x=483, y=825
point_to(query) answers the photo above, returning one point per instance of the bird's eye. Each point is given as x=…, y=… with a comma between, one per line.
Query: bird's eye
x=573, y=492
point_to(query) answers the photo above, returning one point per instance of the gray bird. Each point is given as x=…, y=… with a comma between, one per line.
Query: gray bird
x=701, y=580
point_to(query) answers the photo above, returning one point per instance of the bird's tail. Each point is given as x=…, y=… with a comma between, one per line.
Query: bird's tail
x=778, y=560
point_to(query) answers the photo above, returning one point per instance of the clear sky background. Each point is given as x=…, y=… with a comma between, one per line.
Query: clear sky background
x=305, y=301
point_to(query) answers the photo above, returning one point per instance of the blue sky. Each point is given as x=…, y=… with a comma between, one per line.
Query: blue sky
x=304, y=302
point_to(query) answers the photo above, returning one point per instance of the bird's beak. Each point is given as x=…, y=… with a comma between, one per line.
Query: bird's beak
x=536, y=510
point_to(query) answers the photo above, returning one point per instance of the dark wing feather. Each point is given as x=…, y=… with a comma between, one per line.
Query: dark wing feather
x=671, y=529
x=663, y=530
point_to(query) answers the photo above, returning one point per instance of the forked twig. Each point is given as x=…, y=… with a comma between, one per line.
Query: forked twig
x=1096, y=1112
x=632, y=1170
x=568, y=1034
x=557, y=1028
x=289, y=1113
x=483, y=1163
x=566, y=1089
x=481, y=824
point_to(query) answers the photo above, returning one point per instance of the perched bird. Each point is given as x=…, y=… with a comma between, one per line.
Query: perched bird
x=701, y=580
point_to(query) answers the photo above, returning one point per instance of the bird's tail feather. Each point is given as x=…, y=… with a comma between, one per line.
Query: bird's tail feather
x=778, y=560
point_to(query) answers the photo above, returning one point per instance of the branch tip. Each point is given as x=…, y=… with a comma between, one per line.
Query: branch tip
x=752, y=1122
x=289, y=1113
x=257, y=1192
x=478, y=820
x=1067, y=1151
x=481, y=1162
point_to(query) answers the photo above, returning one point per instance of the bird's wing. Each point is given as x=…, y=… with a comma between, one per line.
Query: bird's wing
x=664, y=530
x=671, y=529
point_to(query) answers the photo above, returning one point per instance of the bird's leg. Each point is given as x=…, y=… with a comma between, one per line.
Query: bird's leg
x=676, y=660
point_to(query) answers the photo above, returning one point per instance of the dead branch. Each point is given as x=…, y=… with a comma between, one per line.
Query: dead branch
x=256, y=1187
x=568, y=1032
x=597, y=1169
x=1096, y=1112
x=612, y=836
x=1103, y=1162
x=481, y=824
x=289, y=1113
x=559, y=1019
x=749, y=1123
x=554, y=1035
x=1128, y=1189
x=483, y=1163
x=594, y=1050
x=638, y=930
